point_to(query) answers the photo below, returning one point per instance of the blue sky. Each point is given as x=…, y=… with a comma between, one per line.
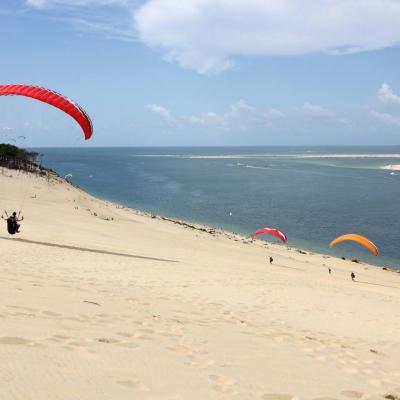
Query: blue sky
x=204, y=72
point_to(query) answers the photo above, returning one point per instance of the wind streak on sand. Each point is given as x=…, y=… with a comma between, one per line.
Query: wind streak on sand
x=64, y=246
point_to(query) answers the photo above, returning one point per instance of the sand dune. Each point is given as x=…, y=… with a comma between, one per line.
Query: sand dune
x=192, y=315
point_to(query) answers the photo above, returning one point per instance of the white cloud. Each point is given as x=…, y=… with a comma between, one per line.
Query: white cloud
x=248, y=115
x=205, y=35
x=155, y=108
x=386, y=118
x=163, y=113
x=315, y=111
x=240, y=115
x=386, y=95
x=242, y=107
x=318, y=112
x=210, y=119
x=273, y=113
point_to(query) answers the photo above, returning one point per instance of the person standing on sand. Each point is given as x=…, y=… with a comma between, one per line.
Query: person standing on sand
x=271, y=260
x=329, y=270
x=352, y=276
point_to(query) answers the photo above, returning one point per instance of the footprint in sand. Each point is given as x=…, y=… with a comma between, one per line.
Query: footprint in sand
x=149, y=331
x=180, y=349
x=227, y=390
x=391, y=397
x=351, y=371
x=129, y=345
x=51, y=314
x=201, y=362
x=367, y=371
x=375, y=382
x=278, y=396
x=135, y=385
x=59, y=338
x=224, y=384
x=78, y=343
x=13, y=340
x=352, y=394
x=222, y=379
x=324, y=398
x=307, y=350
x=168, y=334
x=106, y=340
x=394, y=396
x=125, y=334
x=142, y=336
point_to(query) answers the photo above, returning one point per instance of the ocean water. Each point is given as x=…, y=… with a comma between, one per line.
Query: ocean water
x=313, y=194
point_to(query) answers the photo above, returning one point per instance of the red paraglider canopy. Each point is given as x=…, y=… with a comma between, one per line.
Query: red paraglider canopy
x=270, y=231
x=55, y=99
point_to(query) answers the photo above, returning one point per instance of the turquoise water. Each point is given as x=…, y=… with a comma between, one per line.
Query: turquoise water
x=312, y=194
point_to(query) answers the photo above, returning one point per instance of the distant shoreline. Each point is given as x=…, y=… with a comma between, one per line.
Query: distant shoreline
x=392, y=167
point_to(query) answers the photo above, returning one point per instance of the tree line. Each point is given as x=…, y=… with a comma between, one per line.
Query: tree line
x=12, y=157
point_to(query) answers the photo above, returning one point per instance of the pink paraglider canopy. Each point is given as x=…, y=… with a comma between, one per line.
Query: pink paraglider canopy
x=270, y=231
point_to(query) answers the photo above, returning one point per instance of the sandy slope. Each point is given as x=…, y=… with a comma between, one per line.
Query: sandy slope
x=213, y=321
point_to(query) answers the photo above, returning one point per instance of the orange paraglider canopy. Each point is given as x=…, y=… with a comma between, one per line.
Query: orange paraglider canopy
x=356, y=238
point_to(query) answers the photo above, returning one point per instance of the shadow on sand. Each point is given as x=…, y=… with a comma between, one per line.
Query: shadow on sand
x=377, y=284
x=63, y=246
x=285, y=266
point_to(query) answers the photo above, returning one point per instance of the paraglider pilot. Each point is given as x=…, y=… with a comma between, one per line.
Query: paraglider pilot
x=12, y=222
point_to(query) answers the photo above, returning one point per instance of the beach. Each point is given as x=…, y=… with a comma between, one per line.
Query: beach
x=99, y=301
x=392, y=167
